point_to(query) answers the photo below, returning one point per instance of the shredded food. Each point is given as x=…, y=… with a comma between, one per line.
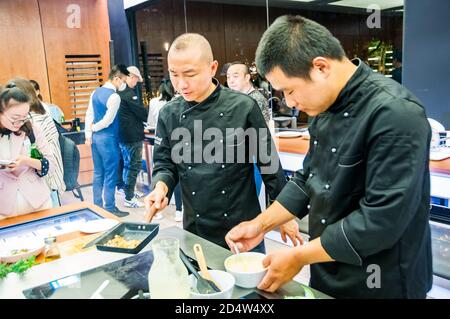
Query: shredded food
x=120, y=242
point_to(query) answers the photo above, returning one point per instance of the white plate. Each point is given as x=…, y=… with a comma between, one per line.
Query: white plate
x=33, y=248
x=98, y=225
x=288, y=134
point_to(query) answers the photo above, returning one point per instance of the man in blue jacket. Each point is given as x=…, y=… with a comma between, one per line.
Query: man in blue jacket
x=102, y=130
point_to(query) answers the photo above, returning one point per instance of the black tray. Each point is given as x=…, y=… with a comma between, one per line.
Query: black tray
x=138, y=231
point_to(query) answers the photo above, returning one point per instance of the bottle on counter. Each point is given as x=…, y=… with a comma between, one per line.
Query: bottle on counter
x=34, y=152
x=168, y=277
x=51, y=249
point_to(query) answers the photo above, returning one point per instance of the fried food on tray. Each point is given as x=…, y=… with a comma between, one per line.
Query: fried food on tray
x=120, y=242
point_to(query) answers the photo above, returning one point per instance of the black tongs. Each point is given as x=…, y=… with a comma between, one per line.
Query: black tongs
x=204, y=286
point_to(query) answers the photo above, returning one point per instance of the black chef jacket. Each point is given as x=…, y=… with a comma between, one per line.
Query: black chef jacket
x=219, y=195
x=366, y=186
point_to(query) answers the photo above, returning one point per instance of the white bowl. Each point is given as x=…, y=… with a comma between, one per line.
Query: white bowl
x=21, y=249
x=246, y=268
x=224, y=280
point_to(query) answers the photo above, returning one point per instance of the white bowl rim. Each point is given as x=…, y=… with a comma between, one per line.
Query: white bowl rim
x=246, y=272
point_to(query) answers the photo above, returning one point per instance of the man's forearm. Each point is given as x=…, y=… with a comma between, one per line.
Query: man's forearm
x=309, y=253
x=273, y=217
x=312, y=253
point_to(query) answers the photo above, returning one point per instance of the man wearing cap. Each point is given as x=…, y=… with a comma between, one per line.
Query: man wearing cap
x=132, y=115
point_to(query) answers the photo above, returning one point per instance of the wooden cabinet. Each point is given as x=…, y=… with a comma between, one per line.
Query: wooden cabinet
x=86, y=171
x=63, y=45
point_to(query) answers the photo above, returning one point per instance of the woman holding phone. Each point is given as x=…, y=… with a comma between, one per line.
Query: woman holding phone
x=22, y=188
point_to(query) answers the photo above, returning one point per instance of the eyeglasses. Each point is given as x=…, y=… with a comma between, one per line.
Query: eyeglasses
x=19, y=122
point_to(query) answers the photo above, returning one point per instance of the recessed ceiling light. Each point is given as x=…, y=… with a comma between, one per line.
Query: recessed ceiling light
x=364, y=4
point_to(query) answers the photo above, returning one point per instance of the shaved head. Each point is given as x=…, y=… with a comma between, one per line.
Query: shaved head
x=191, y=67
x=238, y=67
x=193, y=41
x=238, y=77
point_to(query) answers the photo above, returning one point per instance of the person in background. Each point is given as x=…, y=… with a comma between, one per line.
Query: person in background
x=262, y=85
x=43, y=119
x=23, y=189
x=365, y=181
x=397, y=61
x=132, y=115
x=102, y=133
x=55, y=111
x=165, y=93
x=218, y=193
x=239, y=79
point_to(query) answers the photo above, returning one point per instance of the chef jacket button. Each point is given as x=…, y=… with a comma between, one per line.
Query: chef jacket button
x=193, y=193
x=223, y=166
x=333, y=150
x=221, y=114
x=225, y=215
x=345, y=114
x=221, y=141
x=187, y=143
x=311, y=174
x=223, y=192
x=327, y=186
x=315, y=142
x=184, y=116
x=189, y=167
x=323, y=221
x=309, y=206
x=197, y=215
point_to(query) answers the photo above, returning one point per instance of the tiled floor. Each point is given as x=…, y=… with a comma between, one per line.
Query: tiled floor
x=137, y=214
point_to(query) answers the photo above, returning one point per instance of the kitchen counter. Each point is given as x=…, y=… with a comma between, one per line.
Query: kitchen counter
x=300, y=146
x=13, y=285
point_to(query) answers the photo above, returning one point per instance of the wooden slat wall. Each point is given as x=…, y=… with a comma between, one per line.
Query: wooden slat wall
x=84, y=73
x=64, y=45
x=37, y=40
x=22, y=50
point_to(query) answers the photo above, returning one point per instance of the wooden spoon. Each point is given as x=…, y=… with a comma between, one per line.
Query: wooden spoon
x=202, y=264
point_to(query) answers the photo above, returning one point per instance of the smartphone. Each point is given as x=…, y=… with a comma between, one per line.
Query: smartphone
x=6, y=162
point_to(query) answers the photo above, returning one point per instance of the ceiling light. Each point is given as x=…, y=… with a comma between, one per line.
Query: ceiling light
x=364, y=4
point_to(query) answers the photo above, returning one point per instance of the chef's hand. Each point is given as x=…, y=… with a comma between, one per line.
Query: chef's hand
x=156, y=201
x=291, y=230
x=283, y=266
x=246, y=236
x=88, y=142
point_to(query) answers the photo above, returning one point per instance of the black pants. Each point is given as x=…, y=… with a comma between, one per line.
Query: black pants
x=178, y=199
x=132, y=163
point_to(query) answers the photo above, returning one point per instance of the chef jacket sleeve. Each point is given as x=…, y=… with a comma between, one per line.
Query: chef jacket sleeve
x=267, y=158
x=164, y=169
